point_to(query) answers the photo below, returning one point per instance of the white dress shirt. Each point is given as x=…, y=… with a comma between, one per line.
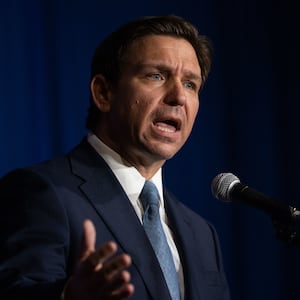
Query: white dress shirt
x=132, y=182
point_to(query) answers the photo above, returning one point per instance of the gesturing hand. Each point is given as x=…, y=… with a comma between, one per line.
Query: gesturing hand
x=98, y=274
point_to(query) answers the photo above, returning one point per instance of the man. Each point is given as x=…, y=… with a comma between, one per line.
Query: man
x=73, y=227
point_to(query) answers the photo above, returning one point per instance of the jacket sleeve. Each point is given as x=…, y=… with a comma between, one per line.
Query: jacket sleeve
x=33, y=238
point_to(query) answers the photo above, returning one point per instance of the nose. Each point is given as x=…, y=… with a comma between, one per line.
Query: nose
x=176, y=95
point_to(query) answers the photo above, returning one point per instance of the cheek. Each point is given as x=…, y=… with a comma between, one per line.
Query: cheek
x=192, y=113
x=141, y=104
x=139, y=112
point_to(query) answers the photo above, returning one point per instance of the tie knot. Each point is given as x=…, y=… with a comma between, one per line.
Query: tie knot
x=149, y=194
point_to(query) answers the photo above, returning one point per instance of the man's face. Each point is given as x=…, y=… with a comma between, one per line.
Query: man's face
x=154, y=104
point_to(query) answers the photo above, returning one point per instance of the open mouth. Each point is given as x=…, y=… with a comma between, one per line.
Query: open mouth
x=169, y=125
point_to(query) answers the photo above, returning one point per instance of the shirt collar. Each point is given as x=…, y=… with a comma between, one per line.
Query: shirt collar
x=130, y=179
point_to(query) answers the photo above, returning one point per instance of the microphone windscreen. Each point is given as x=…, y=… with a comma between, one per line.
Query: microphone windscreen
x=222, y=184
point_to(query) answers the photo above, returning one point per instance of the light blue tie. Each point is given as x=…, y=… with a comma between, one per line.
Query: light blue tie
x=154, y=230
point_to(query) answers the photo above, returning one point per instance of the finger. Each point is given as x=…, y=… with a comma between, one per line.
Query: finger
x=101, y=255
x=114, y=267
x=119, y=287
x=88, y=239
x=111, y=275
x=118, y=282
x=123, y=291
x=93, y=262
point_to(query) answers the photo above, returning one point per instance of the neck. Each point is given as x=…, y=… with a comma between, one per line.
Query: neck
x=145, y=163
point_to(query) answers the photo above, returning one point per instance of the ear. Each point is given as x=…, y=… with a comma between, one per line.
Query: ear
x=100, y=91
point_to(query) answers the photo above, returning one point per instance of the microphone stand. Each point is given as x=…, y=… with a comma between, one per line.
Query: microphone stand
x=286, y=229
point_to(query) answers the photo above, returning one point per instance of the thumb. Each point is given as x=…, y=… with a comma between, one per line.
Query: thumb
x=88, y=240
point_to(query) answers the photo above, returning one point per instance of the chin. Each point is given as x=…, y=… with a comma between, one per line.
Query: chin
x=165, y=154
x=162, y=150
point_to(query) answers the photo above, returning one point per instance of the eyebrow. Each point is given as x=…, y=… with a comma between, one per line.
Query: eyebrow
x=162, y=67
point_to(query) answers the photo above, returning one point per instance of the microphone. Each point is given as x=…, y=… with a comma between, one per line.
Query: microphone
x=227, y=187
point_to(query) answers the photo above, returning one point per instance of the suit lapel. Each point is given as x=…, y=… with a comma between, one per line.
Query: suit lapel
x=185, y=242
x=109, y=199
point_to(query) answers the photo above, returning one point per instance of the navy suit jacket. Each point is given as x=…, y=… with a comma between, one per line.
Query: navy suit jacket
x=42, y=211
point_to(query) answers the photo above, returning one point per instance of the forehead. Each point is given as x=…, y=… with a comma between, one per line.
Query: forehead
x=162, y=48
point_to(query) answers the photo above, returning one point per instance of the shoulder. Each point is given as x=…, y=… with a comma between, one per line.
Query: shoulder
x=29, y=176
x=54, y=169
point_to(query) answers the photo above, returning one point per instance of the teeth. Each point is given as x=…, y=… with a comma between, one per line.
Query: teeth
x=166, y=129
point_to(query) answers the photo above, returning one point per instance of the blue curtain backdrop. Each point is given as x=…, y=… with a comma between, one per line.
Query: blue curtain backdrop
x=248, y=121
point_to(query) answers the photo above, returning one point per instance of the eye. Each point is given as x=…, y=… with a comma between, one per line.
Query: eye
x=190, y=85
x=155, y=76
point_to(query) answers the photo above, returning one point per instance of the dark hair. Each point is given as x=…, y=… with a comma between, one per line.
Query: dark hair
x=109, y=54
